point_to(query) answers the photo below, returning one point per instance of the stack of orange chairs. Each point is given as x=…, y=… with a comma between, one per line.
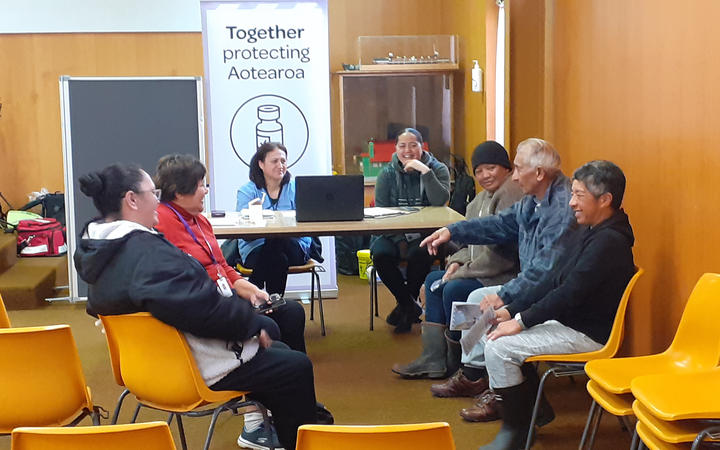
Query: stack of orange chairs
x=627, y=386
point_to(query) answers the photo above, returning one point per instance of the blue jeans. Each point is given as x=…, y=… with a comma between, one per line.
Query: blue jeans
x=438, y=304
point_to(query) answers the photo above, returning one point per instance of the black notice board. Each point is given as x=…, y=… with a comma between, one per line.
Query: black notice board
x=130, y=120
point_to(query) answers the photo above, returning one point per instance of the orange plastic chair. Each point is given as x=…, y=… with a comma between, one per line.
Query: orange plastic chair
x=684, y=414
x=4, y=319
x=693, y=395
x=653, y=443
x=673, y=432
x=41, y=379
x=574, y=364
x=619, y=405
x=436, y=436
x=158, y=368
x=696, y=346
x=314, y=269
x=115, y=366
x=151, y=435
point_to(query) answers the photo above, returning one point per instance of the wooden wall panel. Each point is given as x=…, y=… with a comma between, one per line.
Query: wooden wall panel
x=30, y=131
x=526, y=70
x=466, y=18
x=636, y=83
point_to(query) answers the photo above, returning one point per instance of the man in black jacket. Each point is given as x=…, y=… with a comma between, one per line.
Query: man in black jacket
x=577, y=313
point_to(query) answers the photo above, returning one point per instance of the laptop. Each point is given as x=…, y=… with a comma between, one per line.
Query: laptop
x=325, y=198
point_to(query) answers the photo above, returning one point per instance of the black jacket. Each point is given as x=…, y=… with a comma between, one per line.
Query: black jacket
x=587, y=288
x=142, y=271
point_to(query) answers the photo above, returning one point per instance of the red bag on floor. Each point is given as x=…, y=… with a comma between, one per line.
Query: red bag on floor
x=40, y=237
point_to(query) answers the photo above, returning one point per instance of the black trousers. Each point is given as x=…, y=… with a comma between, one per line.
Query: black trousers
x=270, y=263
x=287, y=324
x=282, y=380
x=386, y=256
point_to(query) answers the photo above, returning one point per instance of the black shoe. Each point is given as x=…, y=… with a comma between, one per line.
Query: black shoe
x=408, y=318
x=404, y=325
x=394, y=317
x=324, y=416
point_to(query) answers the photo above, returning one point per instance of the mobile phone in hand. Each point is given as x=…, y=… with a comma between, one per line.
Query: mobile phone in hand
x=274, y=303
x=436, y=284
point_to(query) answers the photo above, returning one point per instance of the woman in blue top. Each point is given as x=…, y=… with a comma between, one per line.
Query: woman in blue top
x=270, y=258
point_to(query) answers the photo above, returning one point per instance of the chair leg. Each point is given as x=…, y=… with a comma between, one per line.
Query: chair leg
x=635, y=444
x=170, y=418
x=116, y=413
x=211, y=428
x=135, y=414
x=588, y=424
x=312, y=295
x=316, y=278
x=623, y=424
x=375, y=294
x=536, y=407
x=95, y=415
x=595, y=427
x=372, y=297
x=181, y=431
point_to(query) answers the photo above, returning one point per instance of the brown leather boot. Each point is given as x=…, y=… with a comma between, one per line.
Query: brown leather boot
x=459, y=386
x=485, y=408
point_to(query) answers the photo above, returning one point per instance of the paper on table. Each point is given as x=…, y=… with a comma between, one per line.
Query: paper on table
x=245, y=213
x=223, y=221
x=378, y=212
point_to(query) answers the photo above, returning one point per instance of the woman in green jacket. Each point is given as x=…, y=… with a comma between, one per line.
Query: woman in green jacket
x=413, y=178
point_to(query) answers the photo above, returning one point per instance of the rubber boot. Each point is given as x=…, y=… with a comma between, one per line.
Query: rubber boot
x=431, y=363
x=454, y=353
x=545, y=413
x=516, y=404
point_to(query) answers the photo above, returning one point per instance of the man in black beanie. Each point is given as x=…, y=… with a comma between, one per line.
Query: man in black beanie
x=491, y=153
x=468, y=269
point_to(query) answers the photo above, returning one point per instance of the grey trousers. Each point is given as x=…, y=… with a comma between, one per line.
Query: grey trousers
x=505, y=355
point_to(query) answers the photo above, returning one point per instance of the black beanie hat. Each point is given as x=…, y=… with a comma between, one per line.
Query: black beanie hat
x=490, y=152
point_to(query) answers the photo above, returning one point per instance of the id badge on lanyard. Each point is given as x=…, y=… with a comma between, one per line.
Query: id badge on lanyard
x=223, y=286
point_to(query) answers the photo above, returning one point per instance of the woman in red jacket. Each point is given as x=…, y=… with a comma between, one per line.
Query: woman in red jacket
x=181, y=179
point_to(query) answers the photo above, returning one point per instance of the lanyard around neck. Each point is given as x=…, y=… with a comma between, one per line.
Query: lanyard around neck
x=207, y=250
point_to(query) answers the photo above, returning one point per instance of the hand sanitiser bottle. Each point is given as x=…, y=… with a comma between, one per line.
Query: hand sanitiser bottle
x=476, y=77
x=269, y=129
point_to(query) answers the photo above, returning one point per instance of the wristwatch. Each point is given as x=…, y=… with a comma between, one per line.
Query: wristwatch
x=519, y=320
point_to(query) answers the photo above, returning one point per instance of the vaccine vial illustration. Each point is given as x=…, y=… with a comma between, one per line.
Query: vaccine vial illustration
x=269, y=129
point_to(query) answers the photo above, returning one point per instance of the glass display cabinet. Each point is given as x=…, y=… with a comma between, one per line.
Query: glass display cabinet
x=400, y=81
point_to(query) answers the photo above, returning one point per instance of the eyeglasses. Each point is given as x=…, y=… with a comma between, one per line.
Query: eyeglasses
x=156, y=192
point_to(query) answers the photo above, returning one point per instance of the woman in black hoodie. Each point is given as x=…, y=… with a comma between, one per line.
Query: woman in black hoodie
x=130, y=267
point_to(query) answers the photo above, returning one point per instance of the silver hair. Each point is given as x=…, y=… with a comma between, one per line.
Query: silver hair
x=540, y=153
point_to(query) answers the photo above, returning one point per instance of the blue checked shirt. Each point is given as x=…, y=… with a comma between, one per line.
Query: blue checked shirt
x=542, y=231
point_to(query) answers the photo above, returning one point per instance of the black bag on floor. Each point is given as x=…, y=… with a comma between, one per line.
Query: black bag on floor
x=53, y=206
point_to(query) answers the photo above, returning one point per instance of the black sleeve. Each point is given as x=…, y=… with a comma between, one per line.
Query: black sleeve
x=593, y=268
x=176, y=289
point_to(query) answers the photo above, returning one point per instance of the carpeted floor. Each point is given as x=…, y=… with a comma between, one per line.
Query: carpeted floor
x=352, y=377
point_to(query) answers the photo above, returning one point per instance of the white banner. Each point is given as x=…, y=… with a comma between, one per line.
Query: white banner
x=267, y=78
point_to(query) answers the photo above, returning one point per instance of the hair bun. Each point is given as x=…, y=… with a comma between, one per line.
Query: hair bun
x=92, y=184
